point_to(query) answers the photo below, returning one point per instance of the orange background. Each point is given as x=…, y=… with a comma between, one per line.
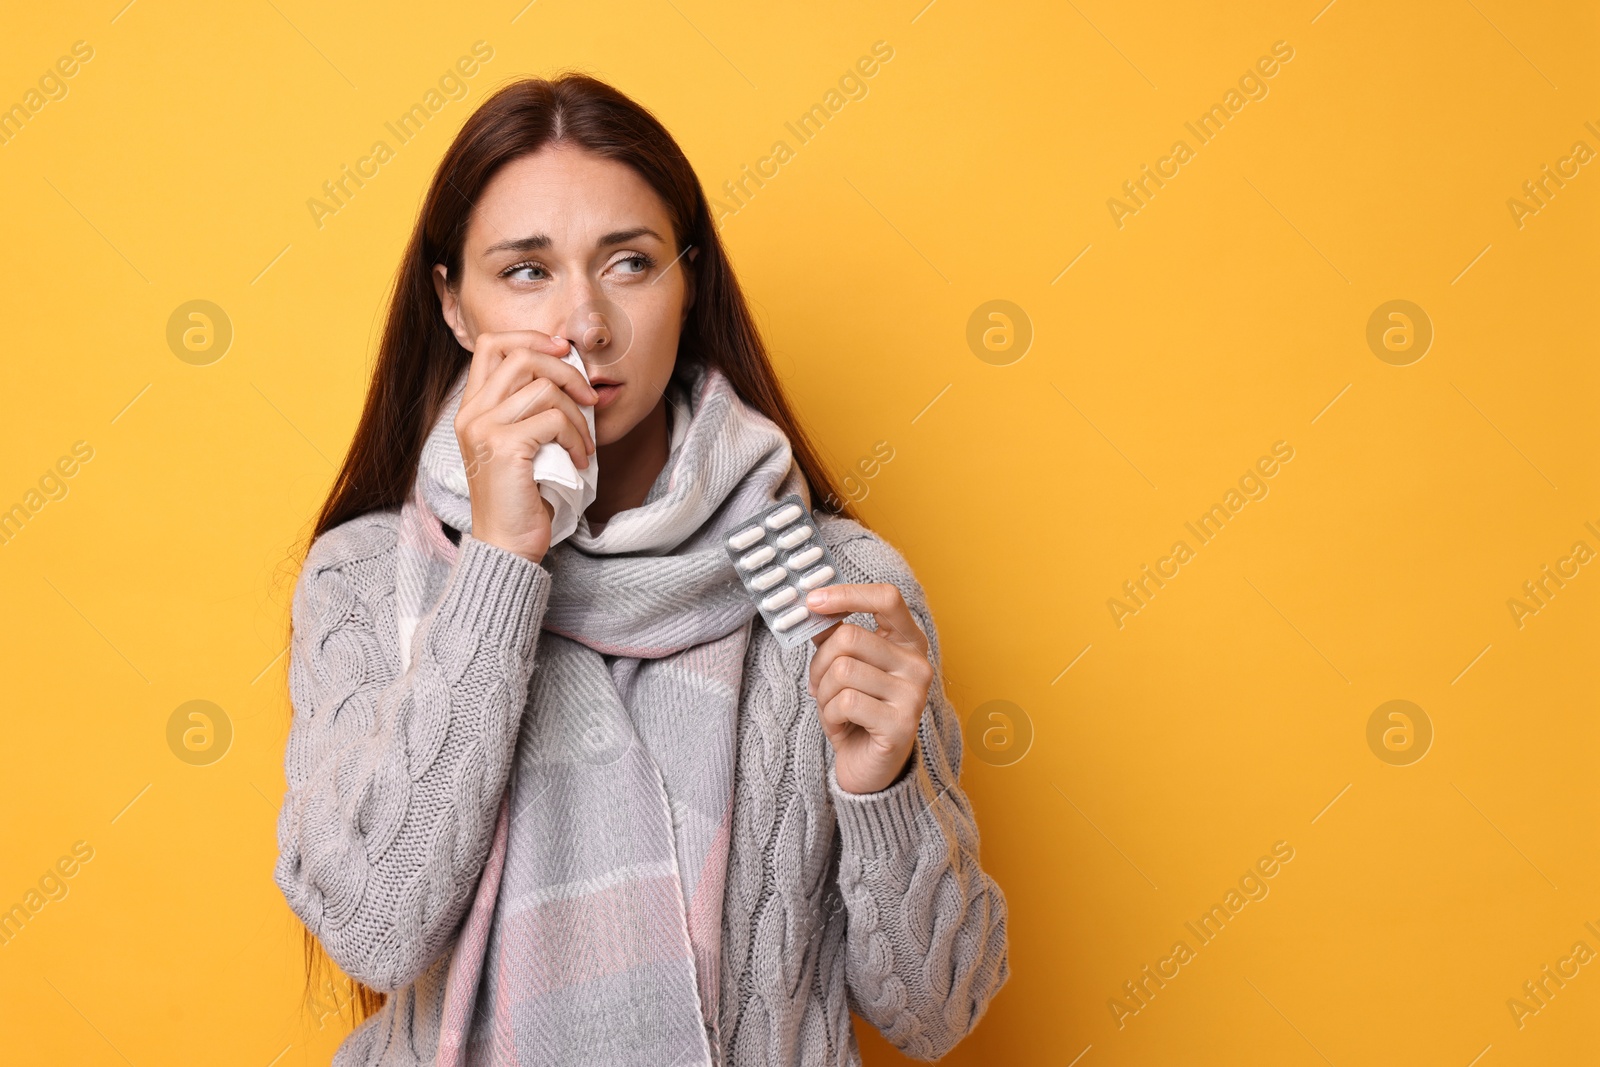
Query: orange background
x=1026, y=484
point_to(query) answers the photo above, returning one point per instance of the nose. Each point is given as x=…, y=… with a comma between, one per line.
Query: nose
x=591, y=329
x=600, y=328
x=569, y=313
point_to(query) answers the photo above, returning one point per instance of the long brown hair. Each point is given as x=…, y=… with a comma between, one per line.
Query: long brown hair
x=419, y=358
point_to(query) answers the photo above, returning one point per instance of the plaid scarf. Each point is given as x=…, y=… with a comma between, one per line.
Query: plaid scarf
x=595, y=933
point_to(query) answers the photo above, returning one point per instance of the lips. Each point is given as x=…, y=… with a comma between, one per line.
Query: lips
x=608, y=392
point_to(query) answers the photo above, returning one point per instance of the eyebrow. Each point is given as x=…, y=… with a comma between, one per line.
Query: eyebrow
x=541, y=241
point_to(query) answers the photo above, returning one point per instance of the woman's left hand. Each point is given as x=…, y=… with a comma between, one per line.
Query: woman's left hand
x=870, y=686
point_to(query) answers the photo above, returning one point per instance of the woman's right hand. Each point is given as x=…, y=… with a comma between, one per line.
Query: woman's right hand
x=520, y=395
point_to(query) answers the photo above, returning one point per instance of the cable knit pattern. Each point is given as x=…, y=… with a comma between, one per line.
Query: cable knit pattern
x=395, y=780
x=833, y=901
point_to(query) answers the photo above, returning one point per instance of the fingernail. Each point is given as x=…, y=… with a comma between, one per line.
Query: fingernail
x=816, y=598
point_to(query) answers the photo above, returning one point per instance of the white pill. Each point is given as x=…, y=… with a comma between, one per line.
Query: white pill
x=791, y=618
x=815, y=578
x=783, y=516
x=768, y=579
x=803, y=558
x=794, y=536
x=751, y=560
x=746, y=538
x=777, y=600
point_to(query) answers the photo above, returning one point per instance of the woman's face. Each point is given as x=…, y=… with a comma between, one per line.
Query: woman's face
x=558, y=237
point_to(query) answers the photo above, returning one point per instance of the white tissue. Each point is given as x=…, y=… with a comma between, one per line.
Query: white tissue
x=568, y=490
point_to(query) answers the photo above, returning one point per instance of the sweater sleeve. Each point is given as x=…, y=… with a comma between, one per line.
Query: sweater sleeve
x=395, y=779
x=925, y=940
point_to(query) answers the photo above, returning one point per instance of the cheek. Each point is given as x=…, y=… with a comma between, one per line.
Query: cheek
x=484, y=308
x=657, y=318
x=648, y=365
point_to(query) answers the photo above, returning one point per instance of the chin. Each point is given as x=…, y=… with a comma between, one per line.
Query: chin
x=611, y=426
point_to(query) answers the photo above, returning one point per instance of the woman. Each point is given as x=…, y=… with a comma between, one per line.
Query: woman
x=575, y=803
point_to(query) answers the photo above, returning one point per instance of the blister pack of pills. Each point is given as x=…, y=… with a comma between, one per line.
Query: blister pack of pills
x=780, y=557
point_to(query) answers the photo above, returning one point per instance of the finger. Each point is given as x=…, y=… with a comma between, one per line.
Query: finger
x=520, y=368
x=489, y=351
x=546, y=426
x=557, y=369
x=537, y=340
x=853, y=707
x=536, y=396
x=523, y=364
x=492, y=348
x=484, y=360
x=848, y=639
x=853, y=674
x=882, y=600
x=505, y=371
x=820, y=639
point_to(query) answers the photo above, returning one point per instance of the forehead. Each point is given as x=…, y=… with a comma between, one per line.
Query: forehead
x=568, y=193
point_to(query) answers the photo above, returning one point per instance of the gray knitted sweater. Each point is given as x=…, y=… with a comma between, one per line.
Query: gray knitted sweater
x=834, y=901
